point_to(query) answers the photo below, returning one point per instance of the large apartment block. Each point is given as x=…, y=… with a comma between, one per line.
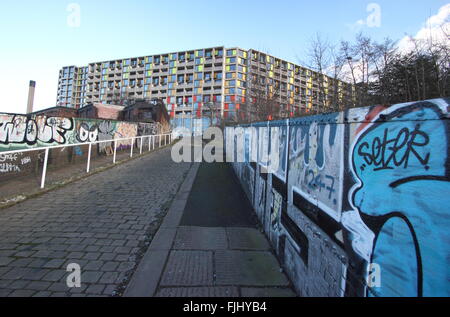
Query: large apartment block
x=216, y=79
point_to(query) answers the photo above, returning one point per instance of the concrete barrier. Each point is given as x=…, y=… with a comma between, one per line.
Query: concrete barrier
x=359, y=204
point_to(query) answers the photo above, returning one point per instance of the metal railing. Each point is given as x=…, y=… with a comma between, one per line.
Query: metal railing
x=151, y=146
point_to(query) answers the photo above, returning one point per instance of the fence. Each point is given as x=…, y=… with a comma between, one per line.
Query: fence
x=154, y=141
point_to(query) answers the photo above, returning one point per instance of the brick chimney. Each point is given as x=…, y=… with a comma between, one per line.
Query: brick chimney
x=31, y=96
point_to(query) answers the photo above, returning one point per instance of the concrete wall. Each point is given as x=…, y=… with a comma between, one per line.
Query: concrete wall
x=360, y=202
x=23, y=132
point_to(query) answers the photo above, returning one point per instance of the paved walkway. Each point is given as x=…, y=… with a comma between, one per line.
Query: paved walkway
x=209, y=244
x=18, y=188
x=104, y=223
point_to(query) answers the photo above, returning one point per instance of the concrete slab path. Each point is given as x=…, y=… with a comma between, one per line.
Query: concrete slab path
x=209, y=244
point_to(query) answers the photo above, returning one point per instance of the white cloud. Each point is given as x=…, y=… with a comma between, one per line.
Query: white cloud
x=436, y=28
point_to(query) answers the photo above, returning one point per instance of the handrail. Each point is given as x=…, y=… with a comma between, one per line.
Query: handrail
x=151, y=145
x=77, y=144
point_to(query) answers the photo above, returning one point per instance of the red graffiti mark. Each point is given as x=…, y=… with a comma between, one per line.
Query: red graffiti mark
x=370, y=116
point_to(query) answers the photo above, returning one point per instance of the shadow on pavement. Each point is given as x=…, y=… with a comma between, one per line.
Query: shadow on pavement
x=217, y=199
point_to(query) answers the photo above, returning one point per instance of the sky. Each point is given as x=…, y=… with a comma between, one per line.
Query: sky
x=40, y=37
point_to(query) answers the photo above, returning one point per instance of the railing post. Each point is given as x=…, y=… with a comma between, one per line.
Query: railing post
x=149, y=142
x=153, y=141
x=115, y=150
x=89, y=158
x=132, y=144
x=140, y=150
x=44, y=170
x=160, y=140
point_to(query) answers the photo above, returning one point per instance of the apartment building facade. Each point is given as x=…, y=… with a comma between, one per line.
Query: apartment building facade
x=200, y=84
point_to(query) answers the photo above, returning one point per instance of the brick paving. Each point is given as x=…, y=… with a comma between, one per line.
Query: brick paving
x=104, y=223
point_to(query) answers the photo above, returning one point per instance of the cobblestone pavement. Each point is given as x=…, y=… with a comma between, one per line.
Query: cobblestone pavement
x=104, y=223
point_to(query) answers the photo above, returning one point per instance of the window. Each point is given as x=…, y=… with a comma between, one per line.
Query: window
x=231, y=83
x=219, y=52
x=231, y=52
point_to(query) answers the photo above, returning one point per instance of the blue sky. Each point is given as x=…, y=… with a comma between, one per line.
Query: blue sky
x=37, y=41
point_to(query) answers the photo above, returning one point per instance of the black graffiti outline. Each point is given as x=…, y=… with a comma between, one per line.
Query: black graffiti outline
x=404, y=138
x=315, y=182
x=31, y=125
x=380, y=221
x=84, y=132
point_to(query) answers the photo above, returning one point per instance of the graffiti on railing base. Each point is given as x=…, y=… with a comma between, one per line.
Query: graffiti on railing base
x=24, y=130
x=19, y=132
x=13, y=163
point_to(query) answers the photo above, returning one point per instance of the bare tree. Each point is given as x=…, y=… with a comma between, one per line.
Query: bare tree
x=263, y=102
x=212, y=111
x=320, y=58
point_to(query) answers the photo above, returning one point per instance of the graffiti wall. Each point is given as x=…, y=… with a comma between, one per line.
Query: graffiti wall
x=27, y=131
x=359, y=202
